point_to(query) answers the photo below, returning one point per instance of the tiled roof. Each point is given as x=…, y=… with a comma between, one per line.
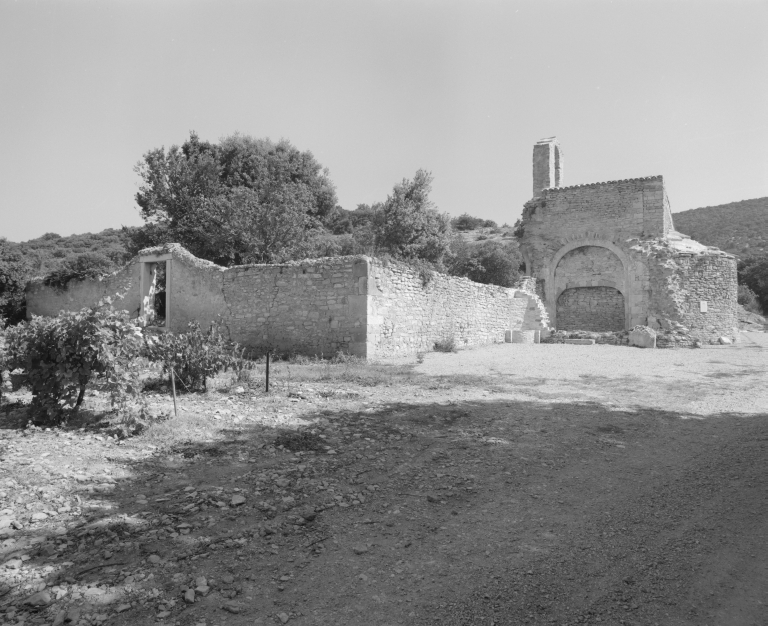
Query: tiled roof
x=607, y=182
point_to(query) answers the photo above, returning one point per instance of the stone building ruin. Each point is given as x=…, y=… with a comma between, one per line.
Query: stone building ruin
x=599, y=257
x=606, y=257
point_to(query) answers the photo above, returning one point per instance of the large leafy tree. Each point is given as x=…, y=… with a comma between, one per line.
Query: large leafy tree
x=238, y=227
x=408, y=226
x=239, y=201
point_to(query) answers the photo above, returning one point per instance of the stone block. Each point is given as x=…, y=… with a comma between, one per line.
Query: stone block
x=580, y=342
x=523, y=336
x=642, y=337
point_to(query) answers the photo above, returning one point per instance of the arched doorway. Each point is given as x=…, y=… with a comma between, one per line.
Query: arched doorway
x=597, y=309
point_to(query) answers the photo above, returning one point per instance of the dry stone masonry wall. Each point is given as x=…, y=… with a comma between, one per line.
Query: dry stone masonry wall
x=409, y=312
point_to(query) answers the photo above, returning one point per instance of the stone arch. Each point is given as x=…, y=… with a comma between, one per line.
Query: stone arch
x=620, y=281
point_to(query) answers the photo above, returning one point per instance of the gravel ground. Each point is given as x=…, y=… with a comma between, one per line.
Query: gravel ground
x=507, y=485
x=679, y=380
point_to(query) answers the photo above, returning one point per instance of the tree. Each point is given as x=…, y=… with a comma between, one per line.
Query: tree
x=753, y=272
x=200, y=195
x=15, y=271
x=408, y=227
x=237, y=227
x=491, y=262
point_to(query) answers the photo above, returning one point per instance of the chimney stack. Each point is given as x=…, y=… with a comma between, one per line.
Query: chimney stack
x=547, y=165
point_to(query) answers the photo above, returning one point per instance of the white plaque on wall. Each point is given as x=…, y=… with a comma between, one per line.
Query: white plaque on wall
x=703, y=306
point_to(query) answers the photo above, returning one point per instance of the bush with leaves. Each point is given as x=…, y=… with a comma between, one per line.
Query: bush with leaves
x=194, y=355
x=748, y=299
x=62, y=355
x=408, y=226
x=490, y=262
x=79, y=267
x=753, y=273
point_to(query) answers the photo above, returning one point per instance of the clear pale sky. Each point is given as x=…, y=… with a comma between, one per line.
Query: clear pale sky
x=377, y=90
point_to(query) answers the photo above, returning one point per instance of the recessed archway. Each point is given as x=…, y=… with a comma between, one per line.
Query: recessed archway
x=589, y=263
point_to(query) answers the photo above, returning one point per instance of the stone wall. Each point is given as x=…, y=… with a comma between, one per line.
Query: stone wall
x=598, y=309
x=613, y=211
x=317, y=306
x=410, y=312
x=194, y=290
x=44, y=300
x=680, y=282
x=355, y=304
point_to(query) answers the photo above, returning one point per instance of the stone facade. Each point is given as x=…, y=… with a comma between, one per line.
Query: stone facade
x=356, y=304
x=586, y=242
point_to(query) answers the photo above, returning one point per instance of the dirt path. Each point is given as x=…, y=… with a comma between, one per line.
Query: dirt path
x=509, y=485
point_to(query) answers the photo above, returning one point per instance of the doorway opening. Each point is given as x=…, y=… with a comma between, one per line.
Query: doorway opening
x=155, y=289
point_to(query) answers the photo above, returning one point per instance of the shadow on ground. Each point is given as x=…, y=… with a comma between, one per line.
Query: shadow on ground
x=490, y=511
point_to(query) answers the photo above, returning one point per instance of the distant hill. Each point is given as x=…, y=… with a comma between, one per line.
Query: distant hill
x=45, y=253
x=740, y=228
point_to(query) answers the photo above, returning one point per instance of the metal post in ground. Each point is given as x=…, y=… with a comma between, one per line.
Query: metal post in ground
x=267, y=371
x=173, y=388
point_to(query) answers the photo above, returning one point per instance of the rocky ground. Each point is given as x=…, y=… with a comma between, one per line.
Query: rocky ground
x=515, y=484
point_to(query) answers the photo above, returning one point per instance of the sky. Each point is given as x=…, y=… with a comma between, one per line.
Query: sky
x=376, y=90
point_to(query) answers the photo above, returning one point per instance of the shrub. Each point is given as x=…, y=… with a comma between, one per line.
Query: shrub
x=194, y=355
x=446, y=344
x=753, y=273
x=748, y=299
x=408, y=226
x=467, y=222
x=490, y=262
x=80, y=267
x=62, y=355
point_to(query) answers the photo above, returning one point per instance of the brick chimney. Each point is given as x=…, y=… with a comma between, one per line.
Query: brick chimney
x=547, y=165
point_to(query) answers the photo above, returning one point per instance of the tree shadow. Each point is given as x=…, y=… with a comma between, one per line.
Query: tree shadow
x=227, y=503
